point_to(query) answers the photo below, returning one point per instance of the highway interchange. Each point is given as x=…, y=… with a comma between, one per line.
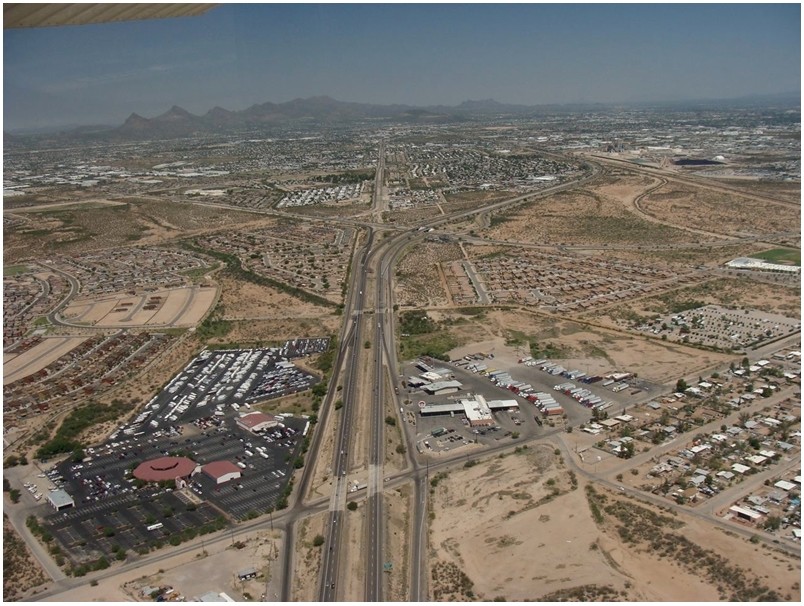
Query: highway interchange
x=368, y=317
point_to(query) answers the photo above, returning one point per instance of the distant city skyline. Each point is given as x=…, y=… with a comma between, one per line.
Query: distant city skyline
x=424, y=54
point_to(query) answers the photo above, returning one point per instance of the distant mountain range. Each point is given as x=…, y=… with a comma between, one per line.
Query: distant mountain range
x=178, y=122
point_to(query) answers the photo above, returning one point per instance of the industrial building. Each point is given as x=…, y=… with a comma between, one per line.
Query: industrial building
x=442, y=387
x=221, y=471
x=760, y=265
x=256, y=422
x=476, y=409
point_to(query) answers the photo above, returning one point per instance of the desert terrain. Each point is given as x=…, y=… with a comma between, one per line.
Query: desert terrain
x=520, y=527
x=175, y=307
x=18, y=366
x=21, y=572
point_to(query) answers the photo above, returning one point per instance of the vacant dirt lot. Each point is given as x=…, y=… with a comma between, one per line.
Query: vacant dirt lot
x=242, y=300
x=179, y=307
x=307, y=558
x=718, y=212
x=600, y=214
x=78, y=229
x=579, y=345
x=518, y=528
x=21, y=572
x=419, y=279
x=40, y=355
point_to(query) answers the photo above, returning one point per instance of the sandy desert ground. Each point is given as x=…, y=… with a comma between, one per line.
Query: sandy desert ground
x=580, y=345
x=38, y=357
x=179, y=307
x=21, y=572
x=518, y=527
x=194, y=573
x=718, y=212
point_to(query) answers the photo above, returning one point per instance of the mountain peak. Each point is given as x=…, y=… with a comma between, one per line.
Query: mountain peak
x=135, y=120
x=176, y=113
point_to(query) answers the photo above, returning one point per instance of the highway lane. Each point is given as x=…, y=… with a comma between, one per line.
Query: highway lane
x=374, y=519
x=328, y=579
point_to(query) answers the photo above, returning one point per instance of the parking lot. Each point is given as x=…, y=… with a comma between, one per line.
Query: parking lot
x=526, y=421
x=105, y=527
x=114, y=510
x=265, y=472
x=222, y=381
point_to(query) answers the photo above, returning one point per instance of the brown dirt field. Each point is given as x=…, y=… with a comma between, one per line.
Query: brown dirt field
x=525, y=544
x=687, y=256
x=352, y=567
x=394, y=461
x=21, y=572
x=717, y=212
x=265, y=331
x=597, y=215
x=75, y=230
x=418, y=277
x=581, y=345
x=524, y=538
x=398, y=518
x=321, y=483
x=787, y=190
x=27, y=363
x=100, y=311
x=71, y=205
x=242, y=300
x=307, y=561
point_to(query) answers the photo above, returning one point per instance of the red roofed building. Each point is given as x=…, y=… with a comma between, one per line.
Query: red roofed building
x=165, y=469
x=221, y=471
x=257, y=421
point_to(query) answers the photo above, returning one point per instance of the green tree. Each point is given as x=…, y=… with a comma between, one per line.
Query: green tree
x=773, y=523
x=627, y=450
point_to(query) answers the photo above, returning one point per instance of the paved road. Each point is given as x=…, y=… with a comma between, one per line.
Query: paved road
x=328, y=579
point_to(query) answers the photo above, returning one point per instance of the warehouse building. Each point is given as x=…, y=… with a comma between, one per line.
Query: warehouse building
x=760, y=265
x=256, y=422
x=221, y=471
x=477, y=409
x=442, y=387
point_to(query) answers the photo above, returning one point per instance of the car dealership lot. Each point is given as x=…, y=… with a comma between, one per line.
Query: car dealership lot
x=115, y=510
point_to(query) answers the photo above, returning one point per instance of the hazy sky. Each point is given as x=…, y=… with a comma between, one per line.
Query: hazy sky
x=417, y=54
